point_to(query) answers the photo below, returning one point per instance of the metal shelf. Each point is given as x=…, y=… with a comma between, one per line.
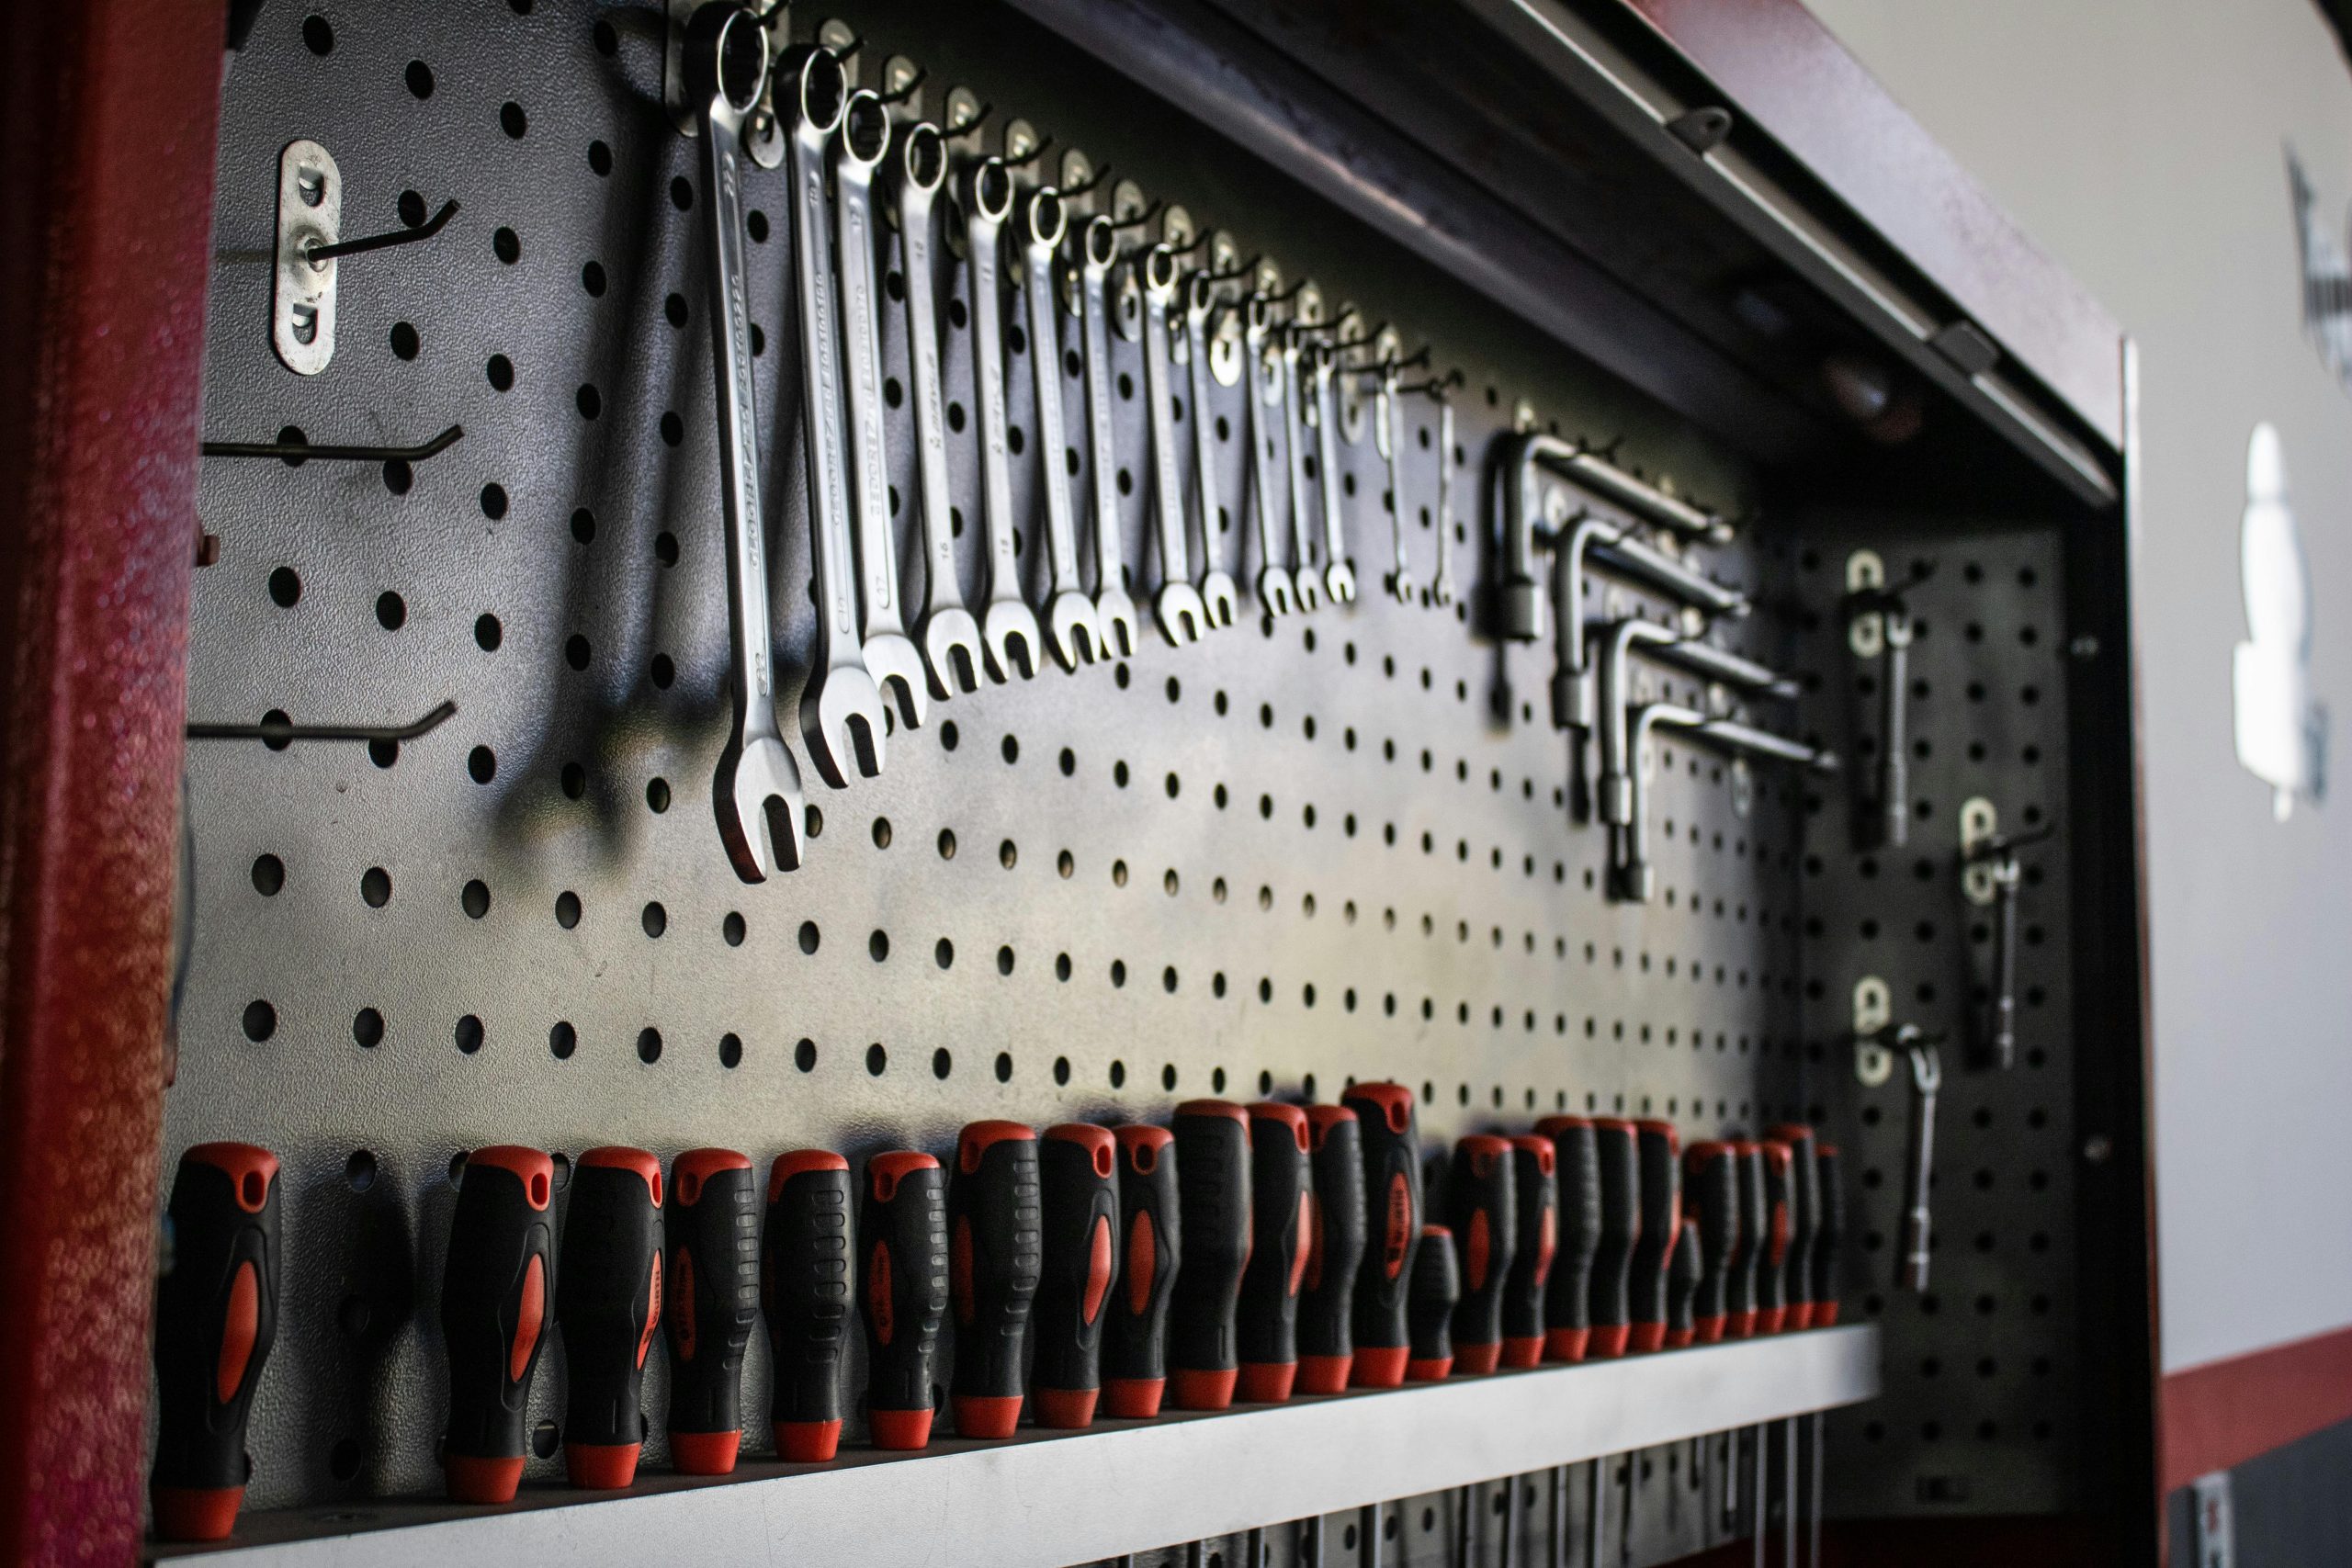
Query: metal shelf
x=1049, y=1499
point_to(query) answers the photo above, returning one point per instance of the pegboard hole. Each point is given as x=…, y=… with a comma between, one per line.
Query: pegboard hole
x=649, y=1045
x=260, y=1020
x=942, y=1062
x=877, y=946
x=654, y=918
x=562, y=1040
x=475, y=899
x=808, y=937
x=1061, y=1070
x=804, y=1055
x=376, y=886
x=268, y=874
x=482, y=763
x=878, y=1060
x=469, y=1034
x=512, y=119
x=368, y=1029
x=1004, y=1066
x=286, y=587
x=1004, y=960
x=657, y=794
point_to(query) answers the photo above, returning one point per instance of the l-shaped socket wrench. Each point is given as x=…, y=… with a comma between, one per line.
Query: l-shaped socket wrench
x=1635, y=873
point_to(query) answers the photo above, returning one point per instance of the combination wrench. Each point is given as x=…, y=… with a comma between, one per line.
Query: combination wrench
x=1389, y=436
x=1178, y=606
x=890, y=658
x=1338, y=575
x=951, y=638
x=1218, y=589
x=1442, y=586
x=757, y=790
x=1070, y=629
x=1303, y=579
x=1008, y=626
x=1115, y=610
x=1276, y=595
x=842, y=717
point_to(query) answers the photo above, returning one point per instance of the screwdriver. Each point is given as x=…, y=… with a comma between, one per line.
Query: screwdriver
x=1430, y=1299
x=1078, y=1171
x=1213, y=1195
x=1683, y=1272
x=712, y=1231
x=1804, y=1208
x=804, y=1287
x=494, y=1300
x=1134, y=1342
x=216, y=1316
x=1748, y=1243
x=1829, y=1234
x=608, y=1302
x=1567, y=1299
x=1711, y=1209
x=903, y=1224
x=995, y=1251
x=1658, y=1194
x=1621, y=1231
x=1334, y=1250
x=1772, y=1258
x=1482, y=1204
x=1536, y=1203
x=1391, y=1183
x=1282, y=1206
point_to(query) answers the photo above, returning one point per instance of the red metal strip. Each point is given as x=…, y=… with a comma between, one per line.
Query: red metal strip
x=108, y=114
x=2225, y=1413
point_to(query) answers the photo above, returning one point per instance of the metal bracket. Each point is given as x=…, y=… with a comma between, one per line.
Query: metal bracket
x=1979, y=822
x=310, y=215
x=1866, y=633
x=1874, y=1011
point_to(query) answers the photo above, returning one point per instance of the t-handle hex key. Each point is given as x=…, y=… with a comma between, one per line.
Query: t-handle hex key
x=841, y=715
x=1634, y=871
x=757, y=790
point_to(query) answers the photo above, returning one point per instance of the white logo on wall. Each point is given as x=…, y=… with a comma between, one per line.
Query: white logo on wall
x=2281, y=727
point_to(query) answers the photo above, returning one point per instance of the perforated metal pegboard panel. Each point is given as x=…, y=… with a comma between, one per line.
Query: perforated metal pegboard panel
x=1981, y=1410
x=1330, y=848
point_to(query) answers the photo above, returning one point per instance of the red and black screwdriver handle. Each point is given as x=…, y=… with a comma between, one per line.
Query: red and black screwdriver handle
x=1135, y=1340
x=903, y=1230
x=1682, y=1271
x=1750, y=1244
x=1482, y=1202
x=1567, y=1298
x=996, y=1239
x=497, y=1292
x=1621, y=1232
x=1078, y=1167
x=1535, y=1206
x=1335, y=1243
x=1393, y=1210
x=608, y=1302
x=1431, y=1301
x=1658, y=1156
x=804, y=1287
x=1710, y=1212
x=1213, y=1192
x=1804, y=1219
x=1829, y=1234
x=1773, y=1261
x=1282, y=1206
x=216, y=1316
x=711, y=1228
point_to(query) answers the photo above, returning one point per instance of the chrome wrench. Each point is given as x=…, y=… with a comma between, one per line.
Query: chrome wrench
x=948, y=629
x=1303, y=579
x=1070, y=630
x=1115, y=610
x=1218, y=589
x=1338, y=575
x=1275, y=594
x=758, y=787
x=890, y=658
x=1442, y=586
x=1177, y=607
x=1389, y=434
x=840, y=710
x=1008, y=624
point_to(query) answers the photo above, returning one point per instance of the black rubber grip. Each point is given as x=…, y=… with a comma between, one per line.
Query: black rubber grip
x=1213, y=1191
x=1280, y=1204
x=1711, y=1211
x=712, y=1233
x=1804, y=1219
x=1078, y=1171
x=1773, y=1261
x=1683, y=1272
x=497, y=1295
x=995, y=1254
x=1431, y=1297
x=1535, y=1205
x=804, y=1289
x=1334, y=1249
x=608, y=1303
x=1134, y=1342
x=1482, y=1210
x=1829, y=1234
x=1621, y=1229
x=1392, y=1183
x=1747, y=1243
x=216, y=1316
x=1567, y=1299
x=902, y=1234
x=1658, y=1154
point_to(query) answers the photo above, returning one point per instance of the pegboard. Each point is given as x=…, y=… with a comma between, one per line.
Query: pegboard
x=1312, y=849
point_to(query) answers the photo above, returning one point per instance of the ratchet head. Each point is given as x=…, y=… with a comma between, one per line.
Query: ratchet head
x=760, y=806
x=1274, y=591
x=841, y=722
x=1009, y=636
x=1181, y=615
x=891, y=660
x=951, y=651
x=1114, y=618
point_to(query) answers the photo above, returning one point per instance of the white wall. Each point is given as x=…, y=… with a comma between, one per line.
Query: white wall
x=2140, y=143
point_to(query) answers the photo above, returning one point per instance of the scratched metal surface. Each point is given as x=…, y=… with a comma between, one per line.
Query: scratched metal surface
x=1330, y=847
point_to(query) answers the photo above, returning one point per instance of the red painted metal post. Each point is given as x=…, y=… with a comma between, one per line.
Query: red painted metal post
x=108, y=114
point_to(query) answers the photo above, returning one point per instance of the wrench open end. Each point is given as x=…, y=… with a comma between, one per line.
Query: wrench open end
x=1182, y=616
x=951, y=651
x=1274, y=591
x=898, y=672
x=1114, y=614
x=1339, y=581
x=1070, y=630
x=1011, y=639
x=760, y=807
x=843, y=720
